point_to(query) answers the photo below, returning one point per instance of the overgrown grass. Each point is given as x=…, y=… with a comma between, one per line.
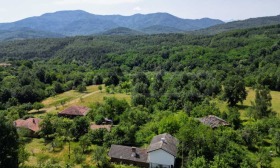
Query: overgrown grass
x=38, y=148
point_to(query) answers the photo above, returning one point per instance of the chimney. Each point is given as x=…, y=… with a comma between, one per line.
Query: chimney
x=133, y=149
x=34, y=121
x=133, y=152
x=162, y=140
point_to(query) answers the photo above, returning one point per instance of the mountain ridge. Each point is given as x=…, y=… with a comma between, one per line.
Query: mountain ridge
x=78, y=22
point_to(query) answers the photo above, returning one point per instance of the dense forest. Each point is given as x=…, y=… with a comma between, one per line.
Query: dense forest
x=173, y=79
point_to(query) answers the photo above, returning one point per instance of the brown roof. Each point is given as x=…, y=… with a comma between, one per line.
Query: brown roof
x=30, y=123
x=213, y=121
x=96, y=127
x=165, y=142
x=126, y=153
x=75, y=111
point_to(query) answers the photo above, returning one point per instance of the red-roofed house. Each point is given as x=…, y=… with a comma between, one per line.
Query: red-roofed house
x=31, y=124
x=74, y=111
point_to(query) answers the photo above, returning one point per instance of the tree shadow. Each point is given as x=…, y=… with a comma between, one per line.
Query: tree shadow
x=242, y=106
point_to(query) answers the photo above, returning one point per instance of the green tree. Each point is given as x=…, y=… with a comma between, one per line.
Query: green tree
x=80, y=127
x=82, y=88
x=198, y=162
x=8, y=144
x=100, y=157
x=85, y=142
x=23, y=155
x=100, y=88
x=234, y=90
x=264, y=158
x=262, y=105
x=37, y=106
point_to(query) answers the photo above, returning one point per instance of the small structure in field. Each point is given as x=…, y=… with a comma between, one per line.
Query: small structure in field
x=97, y=127
x=30, y=124
x=213, y=121
x=161, y=153
x=74, y=111
x=107, y=121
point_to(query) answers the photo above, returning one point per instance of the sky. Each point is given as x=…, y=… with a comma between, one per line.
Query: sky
x=13, y=10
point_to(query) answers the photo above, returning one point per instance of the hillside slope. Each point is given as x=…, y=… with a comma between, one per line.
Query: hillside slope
x=242, y=24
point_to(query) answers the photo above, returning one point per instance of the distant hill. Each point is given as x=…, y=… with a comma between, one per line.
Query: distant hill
x=243, y=24
x=157, y=29
x=122, y=31
x=26, y=33
x=71, y=23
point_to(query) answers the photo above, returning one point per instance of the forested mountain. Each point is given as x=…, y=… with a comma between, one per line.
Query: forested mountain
x=242, y=24
x=122, y=31
x=26, y=33
x=172, y=80
x=71, y=23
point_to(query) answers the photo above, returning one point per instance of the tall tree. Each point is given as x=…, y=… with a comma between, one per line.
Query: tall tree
x=262, y=105
x=234, y=90
x=8, y=144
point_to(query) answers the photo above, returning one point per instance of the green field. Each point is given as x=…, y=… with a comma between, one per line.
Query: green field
x=250, y=98
x=73, y=97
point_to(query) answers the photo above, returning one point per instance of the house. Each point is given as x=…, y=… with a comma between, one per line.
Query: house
x=74, y=111
x=96, y=127
x=213, y=121
x=30, y=124
x=129, y=155
x=162, y=153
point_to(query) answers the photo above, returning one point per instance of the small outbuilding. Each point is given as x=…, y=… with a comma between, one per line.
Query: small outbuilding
x=213, y=121
x=31, y=124
x=74, y=111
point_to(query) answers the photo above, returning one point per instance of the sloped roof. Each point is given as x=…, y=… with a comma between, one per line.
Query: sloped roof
x=126, y=153
x=30, y=123
x=213, y=121
x=75, y=111
x=96, y=127
x=165, y=142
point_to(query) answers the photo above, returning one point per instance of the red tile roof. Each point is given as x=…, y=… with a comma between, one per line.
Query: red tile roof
x=75, y=111
x=30, y=123
x=96, y=127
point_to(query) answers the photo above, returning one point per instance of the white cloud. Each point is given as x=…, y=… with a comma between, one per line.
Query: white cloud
x=138, y=8
x=98, y=2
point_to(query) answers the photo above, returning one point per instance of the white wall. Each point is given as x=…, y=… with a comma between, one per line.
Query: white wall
x=161, y=157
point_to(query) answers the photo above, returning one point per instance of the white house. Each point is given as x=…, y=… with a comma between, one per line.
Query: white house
x=162, y=151
x=160, y=154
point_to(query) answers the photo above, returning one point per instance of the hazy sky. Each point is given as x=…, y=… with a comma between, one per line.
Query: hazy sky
x=12, y=10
